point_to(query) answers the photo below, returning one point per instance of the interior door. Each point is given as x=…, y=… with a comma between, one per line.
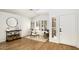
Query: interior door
x=67, y=30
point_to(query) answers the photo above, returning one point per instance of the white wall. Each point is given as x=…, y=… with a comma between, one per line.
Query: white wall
x=57, y=14
x=23, y=23
x=2, y=29
x=25, y=26
x=77, y=25
x=69, y=33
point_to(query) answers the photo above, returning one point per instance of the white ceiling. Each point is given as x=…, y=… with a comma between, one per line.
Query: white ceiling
x=35, y=12
x=26, y=12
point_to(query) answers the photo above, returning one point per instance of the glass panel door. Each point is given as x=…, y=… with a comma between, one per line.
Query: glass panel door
x=53, y=26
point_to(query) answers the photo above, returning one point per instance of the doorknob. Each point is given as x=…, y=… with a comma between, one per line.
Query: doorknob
x=60, y=30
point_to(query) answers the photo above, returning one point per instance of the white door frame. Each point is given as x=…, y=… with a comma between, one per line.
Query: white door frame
x=57, y=29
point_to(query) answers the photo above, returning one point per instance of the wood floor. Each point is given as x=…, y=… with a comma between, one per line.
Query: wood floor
x=28, y=44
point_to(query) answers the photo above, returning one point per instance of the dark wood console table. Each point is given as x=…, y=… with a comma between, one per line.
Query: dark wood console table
x=13, y=35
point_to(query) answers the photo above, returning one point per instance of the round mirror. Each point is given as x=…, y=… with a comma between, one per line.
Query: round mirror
x=12, y=22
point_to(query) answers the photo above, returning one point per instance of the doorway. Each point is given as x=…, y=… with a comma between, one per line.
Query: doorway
x=39, y=30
